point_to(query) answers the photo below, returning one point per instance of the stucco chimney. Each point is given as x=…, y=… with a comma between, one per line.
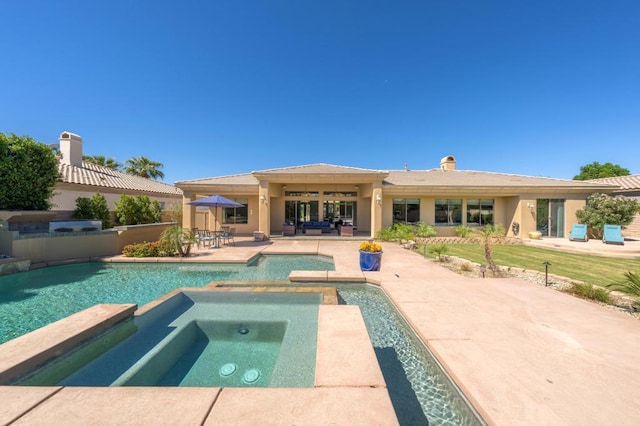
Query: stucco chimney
x=71, y=149
x=448, y=163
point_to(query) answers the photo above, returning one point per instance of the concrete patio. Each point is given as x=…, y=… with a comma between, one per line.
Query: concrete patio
x=521, y=353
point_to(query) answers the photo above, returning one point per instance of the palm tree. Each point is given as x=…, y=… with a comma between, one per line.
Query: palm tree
x=487, y=235
x=630, y=285
x=100, y=160
x=179, y=239
x=142, y=166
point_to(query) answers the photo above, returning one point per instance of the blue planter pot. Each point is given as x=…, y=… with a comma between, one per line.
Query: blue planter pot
x=370, y=261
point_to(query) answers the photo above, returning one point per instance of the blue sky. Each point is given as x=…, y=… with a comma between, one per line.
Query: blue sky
x=212, y=88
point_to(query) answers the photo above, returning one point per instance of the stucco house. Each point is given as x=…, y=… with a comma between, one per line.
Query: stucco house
x=82, y=179
x=371, y=199
x=628, y=186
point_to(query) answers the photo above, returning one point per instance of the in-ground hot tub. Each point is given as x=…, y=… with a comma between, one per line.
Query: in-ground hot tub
x=57, y=226
x=200, y=338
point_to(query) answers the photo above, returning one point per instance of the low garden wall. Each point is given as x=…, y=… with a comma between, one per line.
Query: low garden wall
x=47, y=247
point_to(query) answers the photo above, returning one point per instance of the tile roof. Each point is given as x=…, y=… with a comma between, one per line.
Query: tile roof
x=470, y=178
x=100, y=176
x=240, y=179
x=318, y=168
x=626, y=183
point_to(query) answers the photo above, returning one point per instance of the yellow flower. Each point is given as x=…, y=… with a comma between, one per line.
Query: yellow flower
x=370, y=246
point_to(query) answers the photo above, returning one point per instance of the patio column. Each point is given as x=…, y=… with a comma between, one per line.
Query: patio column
x=188, y=210
x=264, y=208
x=376, y=208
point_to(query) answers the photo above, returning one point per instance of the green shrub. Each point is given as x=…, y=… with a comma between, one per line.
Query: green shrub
x=137, y=210
x=590, y=292
x=148, y=249
x=95, y=208
x=438, y=250
x=423, y=230
x=386, y=234
x=463, y=231
x=28, y=173
x=179, y=239
x=630, y=285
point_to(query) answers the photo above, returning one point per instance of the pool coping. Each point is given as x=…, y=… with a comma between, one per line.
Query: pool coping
x=346, y=373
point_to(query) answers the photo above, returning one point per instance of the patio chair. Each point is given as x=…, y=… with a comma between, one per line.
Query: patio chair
x=578, y=232
x=227, y=237
x=612, y=234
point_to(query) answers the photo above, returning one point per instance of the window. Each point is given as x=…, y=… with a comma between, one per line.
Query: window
x=236, y=215
x=406, y=210
x=479, y=212
x=448, y=212
x=340, y=194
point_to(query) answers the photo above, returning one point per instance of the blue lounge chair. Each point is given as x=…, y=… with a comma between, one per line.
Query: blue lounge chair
x=612, y=234
x=578, y=232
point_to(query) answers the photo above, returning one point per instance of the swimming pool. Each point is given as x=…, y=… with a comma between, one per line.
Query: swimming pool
x=194, y=338
x=30, y=300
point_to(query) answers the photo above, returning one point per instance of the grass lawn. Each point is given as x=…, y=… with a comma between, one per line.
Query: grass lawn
x=595, y=270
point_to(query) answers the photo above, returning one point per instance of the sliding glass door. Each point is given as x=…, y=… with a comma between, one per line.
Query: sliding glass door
x=550, y=217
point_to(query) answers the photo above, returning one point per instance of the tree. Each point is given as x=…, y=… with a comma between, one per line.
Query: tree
x=487, y=234
x=596, y=170
x=143, y=167
x=95, y=208
x=28, y=173
x=101, y=160
x=604, y=209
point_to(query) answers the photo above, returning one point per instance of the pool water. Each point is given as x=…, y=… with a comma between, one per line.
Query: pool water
x=420, y=391
x=30, y=300
x=204, y=339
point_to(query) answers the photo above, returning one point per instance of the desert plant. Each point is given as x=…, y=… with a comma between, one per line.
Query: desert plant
x=466, y=267
x=438, y=250
x=630, y=285
x=386, y=234
x=487, y=235
x=404, y=232
x=422, y=230
x=590, y=292
x=463, y=231
x=179, y=239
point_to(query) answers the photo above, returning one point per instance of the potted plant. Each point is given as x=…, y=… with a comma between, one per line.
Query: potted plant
x=370, y=256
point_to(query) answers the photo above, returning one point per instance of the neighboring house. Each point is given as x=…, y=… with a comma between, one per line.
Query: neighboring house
x=629, y=186
x=82, y=179
x=372, y=199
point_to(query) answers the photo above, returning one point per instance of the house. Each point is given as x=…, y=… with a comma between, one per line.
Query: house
x=82, y=179
x=371, y=199
x=628, y=186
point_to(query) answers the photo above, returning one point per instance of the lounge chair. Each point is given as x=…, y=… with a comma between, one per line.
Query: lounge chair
x=578, y=232
x=612, y=234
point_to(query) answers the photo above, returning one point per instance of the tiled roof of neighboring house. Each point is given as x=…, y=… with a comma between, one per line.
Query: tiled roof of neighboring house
x=100, y=176
x=629, y=183
x=470, y=178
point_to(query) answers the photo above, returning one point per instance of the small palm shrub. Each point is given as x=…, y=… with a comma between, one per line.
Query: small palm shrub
x=423, y=230
x=386, y=234
x=590, y=292
x=179, y=239
x=630, y=285
x=463, y=231
x=438, y=250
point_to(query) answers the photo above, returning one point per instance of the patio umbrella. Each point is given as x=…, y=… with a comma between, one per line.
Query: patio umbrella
x=215, y=201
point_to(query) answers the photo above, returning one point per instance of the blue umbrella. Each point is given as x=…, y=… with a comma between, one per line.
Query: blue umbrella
x=216, y=201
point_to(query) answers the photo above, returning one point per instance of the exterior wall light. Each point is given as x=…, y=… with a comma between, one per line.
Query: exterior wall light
x=531, y=205
x=379, y=199
x=263, y=199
